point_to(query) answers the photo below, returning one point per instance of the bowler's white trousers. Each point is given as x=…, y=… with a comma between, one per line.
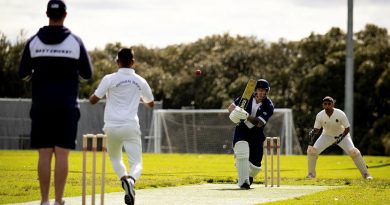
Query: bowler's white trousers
x=128, y=137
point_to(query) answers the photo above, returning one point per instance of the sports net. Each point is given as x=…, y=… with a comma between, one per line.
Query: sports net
x=15, y=123
x=211, y=131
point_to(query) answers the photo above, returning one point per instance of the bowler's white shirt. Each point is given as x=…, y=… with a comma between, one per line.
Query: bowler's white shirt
x=123, y=91
x=333, y=125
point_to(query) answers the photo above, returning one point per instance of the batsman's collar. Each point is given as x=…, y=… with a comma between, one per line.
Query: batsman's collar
x=328, y=98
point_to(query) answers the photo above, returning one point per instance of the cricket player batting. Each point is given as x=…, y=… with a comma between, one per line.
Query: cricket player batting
x=250, y=116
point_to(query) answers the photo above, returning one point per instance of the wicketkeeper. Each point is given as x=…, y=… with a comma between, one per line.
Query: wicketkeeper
x=249, y=136
x=335, y=130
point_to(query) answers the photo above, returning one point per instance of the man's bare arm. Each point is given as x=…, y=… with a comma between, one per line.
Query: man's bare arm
x=94, y=99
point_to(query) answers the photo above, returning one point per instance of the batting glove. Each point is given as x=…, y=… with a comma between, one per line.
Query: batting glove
x=238, y=114
x=249, y=124
x=242, y=114
x=234, y=118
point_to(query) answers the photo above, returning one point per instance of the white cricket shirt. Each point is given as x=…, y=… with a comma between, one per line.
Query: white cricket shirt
x=333, y=125
x=255, y=107
x=123, y=91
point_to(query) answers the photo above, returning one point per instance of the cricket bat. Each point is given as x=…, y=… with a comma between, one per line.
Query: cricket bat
x=249, y=89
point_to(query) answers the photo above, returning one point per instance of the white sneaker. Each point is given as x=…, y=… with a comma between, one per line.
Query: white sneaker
x=310, y=176
x=368, y=176
x=45, y=203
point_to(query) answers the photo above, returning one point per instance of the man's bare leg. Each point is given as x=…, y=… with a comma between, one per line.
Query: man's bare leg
x=44, y=172
x=61, y=172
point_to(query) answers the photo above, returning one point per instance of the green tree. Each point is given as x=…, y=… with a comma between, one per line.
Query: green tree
x=372, y=83
x=319, y=71
x=300, y=72
x=11, y=86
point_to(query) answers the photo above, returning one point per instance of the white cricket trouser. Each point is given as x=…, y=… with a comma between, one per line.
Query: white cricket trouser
x=324, y=141
x=128, y=137
x=347, y=145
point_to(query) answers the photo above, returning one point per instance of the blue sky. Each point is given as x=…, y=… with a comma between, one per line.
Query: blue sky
x=158, y=23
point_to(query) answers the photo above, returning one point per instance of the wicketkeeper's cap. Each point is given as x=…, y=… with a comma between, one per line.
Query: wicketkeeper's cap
x=328, y=98
x=56, y=9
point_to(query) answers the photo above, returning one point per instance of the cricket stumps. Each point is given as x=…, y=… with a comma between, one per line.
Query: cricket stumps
x=272, y=145
x=94, y=148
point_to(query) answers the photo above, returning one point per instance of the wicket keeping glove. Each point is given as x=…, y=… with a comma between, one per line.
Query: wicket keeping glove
x=339, y=138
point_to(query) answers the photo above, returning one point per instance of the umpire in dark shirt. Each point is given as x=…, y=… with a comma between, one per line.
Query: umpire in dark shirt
x=54, y=58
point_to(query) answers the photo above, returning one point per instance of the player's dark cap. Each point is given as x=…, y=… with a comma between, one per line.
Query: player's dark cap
x=125, y=54
x=329, y=99
x=262, y=83
x=56, y=9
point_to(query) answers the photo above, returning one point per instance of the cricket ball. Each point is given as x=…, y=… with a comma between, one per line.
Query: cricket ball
x=198, y=72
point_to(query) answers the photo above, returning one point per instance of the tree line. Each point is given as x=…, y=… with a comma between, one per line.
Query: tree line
x=300, y=73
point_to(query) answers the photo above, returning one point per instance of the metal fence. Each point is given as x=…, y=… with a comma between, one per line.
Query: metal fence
x=15, y=122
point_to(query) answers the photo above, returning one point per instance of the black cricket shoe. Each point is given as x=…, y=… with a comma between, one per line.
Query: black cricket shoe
x=250, y=180
x=128, y=186
x=245, y=185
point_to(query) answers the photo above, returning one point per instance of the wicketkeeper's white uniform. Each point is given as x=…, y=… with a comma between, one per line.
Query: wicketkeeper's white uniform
x=333, y=126
x=123, y=91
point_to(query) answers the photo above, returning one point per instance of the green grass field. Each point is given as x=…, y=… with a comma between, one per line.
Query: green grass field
x=19, y=176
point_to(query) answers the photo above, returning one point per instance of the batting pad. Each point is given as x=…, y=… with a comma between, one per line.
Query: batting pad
x=311, y=160
x=253, y=170
x=241, y=152
x=359, y=162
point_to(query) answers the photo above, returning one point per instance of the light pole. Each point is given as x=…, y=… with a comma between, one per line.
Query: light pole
x=349, y=69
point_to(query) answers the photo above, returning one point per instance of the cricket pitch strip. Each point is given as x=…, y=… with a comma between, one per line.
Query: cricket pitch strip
x=216, y=194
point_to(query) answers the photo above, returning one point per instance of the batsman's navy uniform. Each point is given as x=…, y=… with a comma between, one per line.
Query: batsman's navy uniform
x=54, y=58
x=254, y=136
